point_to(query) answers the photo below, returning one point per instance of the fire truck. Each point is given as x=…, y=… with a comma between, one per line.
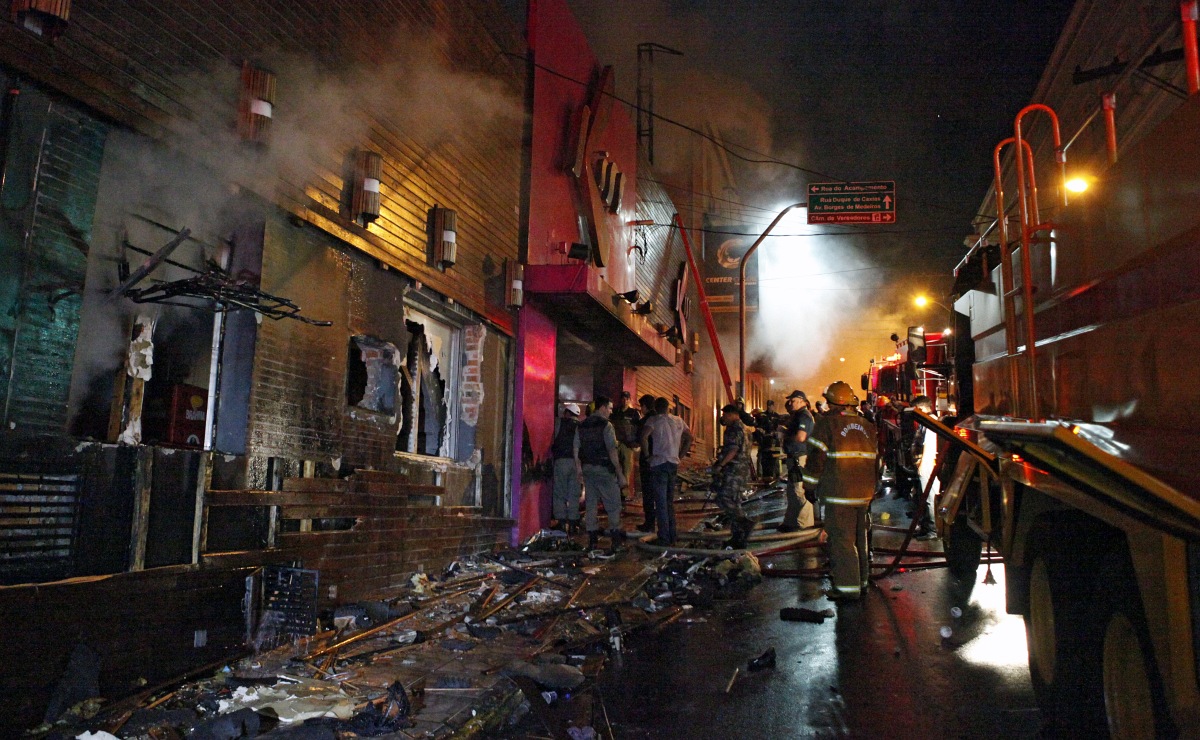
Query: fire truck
x=920, y=366
x=1076, y=456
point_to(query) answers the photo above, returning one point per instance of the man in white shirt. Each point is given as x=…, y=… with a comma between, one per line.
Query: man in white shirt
x=665, y=438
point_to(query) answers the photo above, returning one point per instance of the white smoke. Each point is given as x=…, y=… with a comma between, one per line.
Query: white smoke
x=824, y=311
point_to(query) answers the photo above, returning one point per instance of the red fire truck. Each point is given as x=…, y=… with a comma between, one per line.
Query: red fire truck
x=1078, y=459
x=919, y=367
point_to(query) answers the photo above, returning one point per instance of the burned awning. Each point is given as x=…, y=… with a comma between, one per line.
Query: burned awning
x=1075, y=455
x=580, y=302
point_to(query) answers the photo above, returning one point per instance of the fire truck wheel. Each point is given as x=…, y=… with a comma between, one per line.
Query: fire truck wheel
x=1133, y=693
x=1064, y=646
x=963, y=551
x=1127, y=694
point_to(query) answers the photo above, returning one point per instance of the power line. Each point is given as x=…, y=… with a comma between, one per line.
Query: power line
x=765, y=158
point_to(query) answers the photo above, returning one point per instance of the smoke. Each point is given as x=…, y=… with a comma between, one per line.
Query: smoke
x=693, y=89
x=827, y=307
x=409, y=94
x=408, y=98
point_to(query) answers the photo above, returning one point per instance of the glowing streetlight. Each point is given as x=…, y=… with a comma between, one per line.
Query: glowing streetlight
x=922, y=301
x=1077, y=184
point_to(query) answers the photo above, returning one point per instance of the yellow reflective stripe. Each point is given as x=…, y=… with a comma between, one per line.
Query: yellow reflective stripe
x=818, y=444
x=849, y=589
x=852, y=501
x=810, y=479
x=863, y=455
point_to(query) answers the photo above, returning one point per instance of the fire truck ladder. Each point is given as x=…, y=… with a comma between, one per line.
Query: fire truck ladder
x=1031, y=224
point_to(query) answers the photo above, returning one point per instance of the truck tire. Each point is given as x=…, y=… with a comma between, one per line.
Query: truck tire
x=1065, y=646
x=1134, y=703
x=963, y=551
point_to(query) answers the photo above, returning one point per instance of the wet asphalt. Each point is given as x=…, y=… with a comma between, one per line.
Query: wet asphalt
x=880, y=668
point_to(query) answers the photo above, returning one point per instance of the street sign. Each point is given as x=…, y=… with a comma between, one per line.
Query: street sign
x=852, y=202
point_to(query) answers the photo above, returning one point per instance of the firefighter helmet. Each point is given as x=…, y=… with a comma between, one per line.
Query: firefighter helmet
x=840, y=394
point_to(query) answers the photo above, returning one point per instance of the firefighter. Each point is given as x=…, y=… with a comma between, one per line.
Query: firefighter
x=841, y=471
x=731, y=475
x=767, y=436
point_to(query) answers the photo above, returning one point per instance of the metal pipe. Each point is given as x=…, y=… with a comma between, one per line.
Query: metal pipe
x=705, y=311
x=1108, y=101
x=1189, y=14
x=1028, y=226
x=742, y=292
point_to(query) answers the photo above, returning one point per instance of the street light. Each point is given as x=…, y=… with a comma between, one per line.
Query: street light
x=742, y=295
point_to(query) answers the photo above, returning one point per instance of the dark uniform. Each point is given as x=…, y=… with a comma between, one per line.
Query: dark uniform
x=801, y=420
x=768, y=424
x=731, y=479
x=841, y=470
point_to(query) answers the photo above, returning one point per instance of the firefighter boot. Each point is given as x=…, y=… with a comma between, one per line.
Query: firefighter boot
x=740, y=531
x=617, y=536
x=593, y=539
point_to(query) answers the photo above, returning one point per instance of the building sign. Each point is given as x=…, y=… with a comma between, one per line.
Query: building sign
x=724, y=245
x=871, y=202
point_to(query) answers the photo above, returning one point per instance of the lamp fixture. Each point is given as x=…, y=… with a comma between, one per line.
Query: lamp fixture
x=644, y=308
x=579, y=251
x=630, y=296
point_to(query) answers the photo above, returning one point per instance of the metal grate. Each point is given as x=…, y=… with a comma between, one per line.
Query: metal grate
x=291, y=593
x=39, y=519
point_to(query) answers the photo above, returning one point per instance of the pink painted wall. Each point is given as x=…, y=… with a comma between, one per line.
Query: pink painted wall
x=559, y=44
x=534, y=415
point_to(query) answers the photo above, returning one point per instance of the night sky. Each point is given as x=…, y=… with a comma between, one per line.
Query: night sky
x=916, y=91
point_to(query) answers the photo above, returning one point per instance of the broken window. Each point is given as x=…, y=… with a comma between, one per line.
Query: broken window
x=372, y=375
x=428, y=384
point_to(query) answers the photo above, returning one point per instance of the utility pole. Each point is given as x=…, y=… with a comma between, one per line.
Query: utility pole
x=645, y=94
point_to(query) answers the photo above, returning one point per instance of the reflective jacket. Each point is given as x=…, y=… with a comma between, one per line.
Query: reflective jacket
x=841, y=459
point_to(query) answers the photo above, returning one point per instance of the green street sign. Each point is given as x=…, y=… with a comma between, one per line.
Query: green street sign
x=872, y=202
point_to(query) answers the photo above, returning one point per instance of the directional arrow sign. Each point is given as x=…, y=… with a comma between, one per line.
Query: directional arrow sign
x=871, y=202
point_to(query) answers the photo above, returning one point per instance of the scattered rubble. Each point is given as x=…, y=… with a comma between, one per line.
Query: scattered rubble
x=460, y=653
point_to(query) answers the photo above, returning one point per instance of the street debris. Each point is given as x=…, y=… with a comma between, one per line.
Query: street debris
x=463, y=652
x=801, y=614
x=762, y=662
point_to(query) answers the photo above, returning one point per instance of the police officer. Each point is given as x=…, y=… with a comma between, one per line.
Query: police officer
x=567, y=473
x=603, y=475
x=841, y=471
x=800, y=423
x=731, y=475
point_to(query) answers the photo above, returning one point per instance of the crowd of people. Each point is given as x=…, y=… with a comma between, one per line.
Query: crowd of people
x=597, y=454
x=826, y=455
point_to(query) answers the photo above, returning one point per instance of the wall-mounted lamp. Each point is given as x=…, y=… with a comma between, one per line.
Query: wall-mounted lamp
x=514, y=278
x=695, y=341
x=46, y=18
x=579, y=251
x=443, y=236
x=364, y=195
x=256, y=104
x=629, y=296
x=644, y=308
